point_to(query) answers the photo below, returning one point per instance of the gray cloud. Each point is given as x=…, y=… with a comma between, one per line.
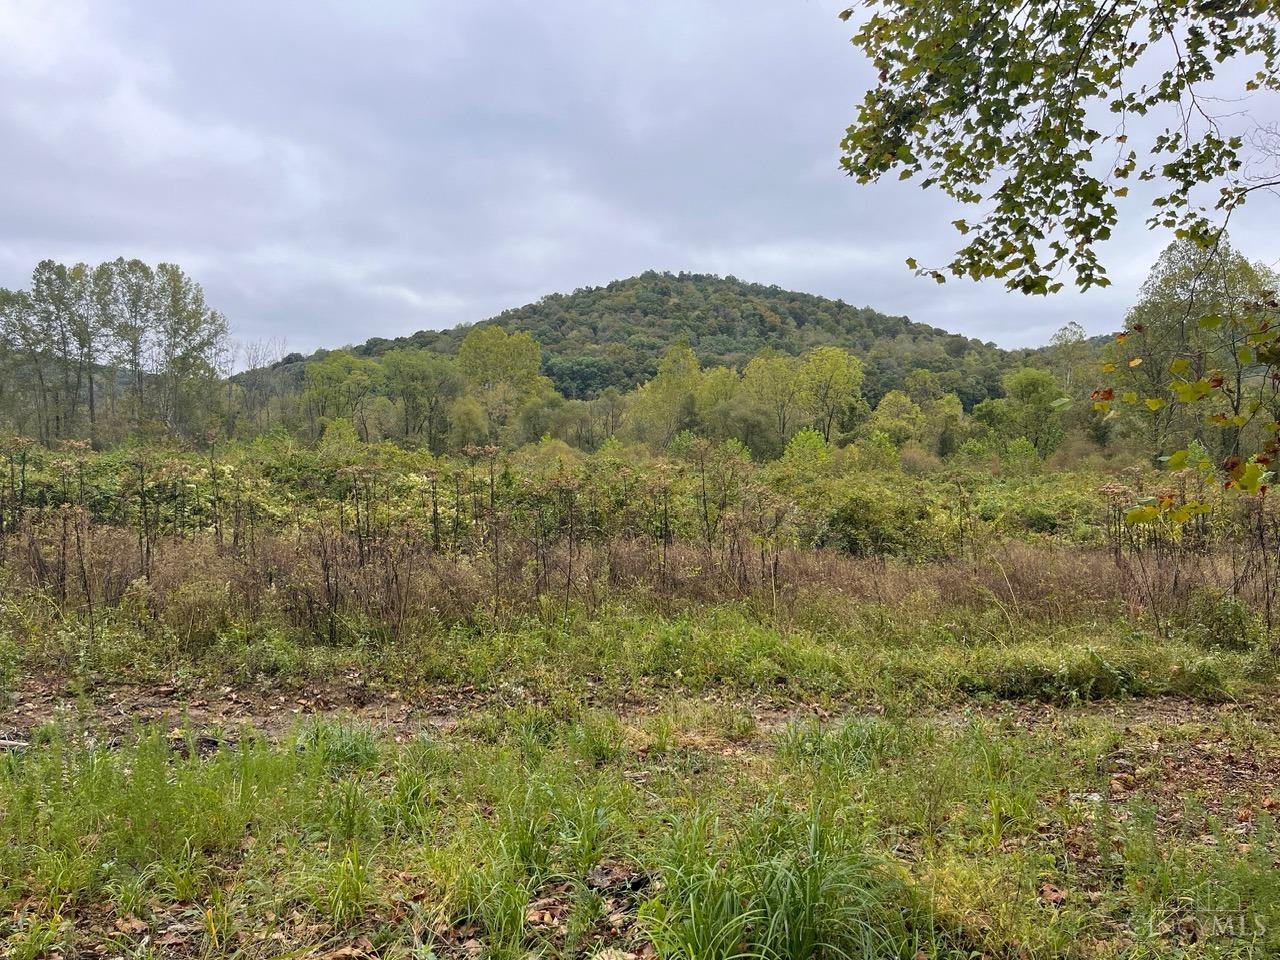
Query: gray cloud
x=332, y=171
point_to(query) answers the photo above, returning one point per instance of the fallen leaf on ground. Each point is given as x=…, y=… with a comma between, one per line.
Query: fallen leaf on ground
x=1052, y=894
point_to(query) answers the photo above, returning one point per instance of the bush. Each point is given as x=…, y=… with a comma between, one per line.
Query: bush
x=917, y=461
x=1201, y=679
x=881, y=519
x=1008, y=674
x=1021, y=457
x=1221, y=622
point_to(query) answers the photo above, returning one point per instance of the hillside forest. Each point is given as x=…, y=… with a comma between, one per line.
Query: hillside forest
x=124, y=350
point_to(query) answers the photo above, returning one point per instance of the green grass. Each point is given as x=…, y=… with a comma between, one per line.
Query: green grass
x=950, y=656
x=871, y=836
x=831, y=779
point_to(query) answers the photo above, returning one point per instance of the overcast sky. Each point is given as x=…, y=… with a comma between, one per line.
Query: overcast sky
x=333, y=170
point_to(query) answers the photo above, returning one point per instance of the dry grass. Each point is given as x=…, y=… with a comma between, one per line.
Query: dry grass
x=319, y=578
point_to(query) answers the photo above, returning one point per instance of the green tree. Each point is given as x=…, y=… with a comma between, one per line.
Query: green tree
x=190, y=343
x=1030, y=409
x=1191, y=322
x=51, y=346
x=468, y=423
x=83, y=336
x=830, y=385
x=29, y=390
x=717, y=402
x=896, y=417
x=667, y=404
x=772, y=382
x=611, y=407
x=1069, y=355
x=945, y=425
x=502, y=370
x=923, y=386
x=1028, y=111
x=20, y=403
x=808, y=455
x=426, y=384
x=130, y=301
x=341, y=385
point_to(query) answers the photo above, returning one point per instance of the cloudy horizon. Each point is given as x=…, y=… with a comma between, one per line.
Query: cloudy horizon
x=331, y=173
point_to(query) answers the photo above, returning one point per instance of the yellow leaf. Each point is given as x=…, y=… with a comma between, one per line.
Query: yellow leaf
x=1141, y=515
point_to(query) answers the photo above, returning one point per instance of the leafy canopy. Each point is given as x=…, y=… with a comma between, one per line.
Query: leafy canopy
x=1025, y=109
x=614, y=336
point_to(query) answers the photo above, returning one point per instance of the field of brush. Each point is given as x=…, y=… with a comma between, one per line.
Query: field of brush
x=292, y=738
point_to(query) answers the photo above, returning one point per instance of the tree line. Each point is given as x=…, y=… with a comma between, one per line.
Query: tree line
x=124, y=349
x=99, y=353
x=492, y=394
x=1077, y=401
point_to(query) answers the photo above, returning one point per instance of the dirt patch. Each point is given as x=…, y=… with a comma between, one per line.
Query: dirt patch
x=113, y=710
x=1172, y=750
x=1131, y=712
x=1193, y=769
x=1189, y=758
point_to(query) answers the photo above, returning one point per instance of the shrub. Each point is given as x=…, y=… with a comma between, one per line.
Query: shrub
x=916, y=460
x=871, y=519
x=1221, y=621
x=1021, y=457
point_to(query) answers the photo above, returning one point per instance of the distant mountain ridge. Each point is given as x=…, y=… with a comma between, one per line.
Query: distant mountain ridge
x=613, y=336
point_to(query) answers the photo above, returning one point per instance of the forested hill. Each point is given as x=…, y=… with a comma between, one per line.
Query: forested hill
x=612, y=336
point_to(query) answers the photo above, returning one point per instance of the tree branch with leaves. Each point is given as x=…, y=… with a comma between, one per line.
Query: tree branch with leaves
x=1023, y=110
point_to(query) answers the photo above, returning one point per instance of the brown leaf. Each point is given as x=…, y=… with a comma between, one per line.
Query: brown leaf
x=130, y=925
x=1052, y=894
